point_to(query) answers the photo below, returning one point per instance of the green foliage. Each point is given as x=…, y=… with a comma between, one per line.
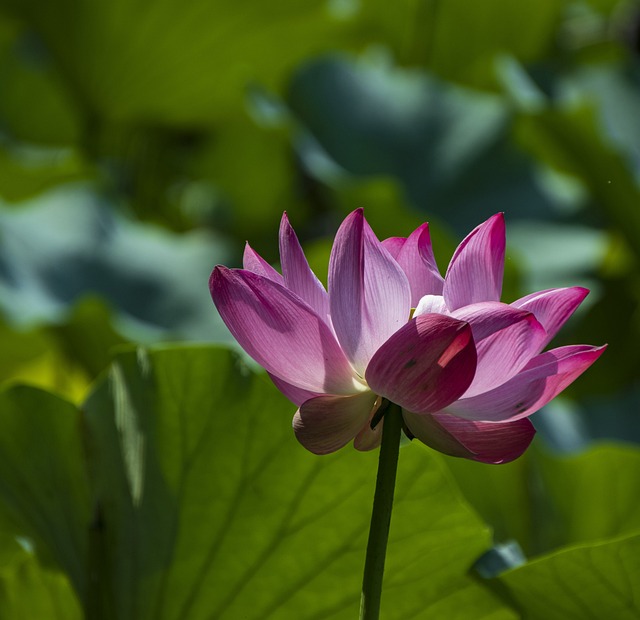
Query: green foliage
x=598, y=580
x=183, y=514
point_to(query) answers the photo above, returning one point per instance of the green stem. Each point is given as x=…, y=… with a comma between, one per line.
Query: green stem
x=381, y=515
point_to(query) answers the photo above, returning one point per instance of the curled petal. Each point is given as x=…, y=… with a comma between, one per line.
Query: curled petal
x=298, y=276
x=544, y=377
x=280, y=332
x=425, y=365
x=417, y=261
x=477, y=266
x=479, y=441
x=327, y=423
x=369, y=438
x=369, y=293
x=252, y=261
x=552, y=307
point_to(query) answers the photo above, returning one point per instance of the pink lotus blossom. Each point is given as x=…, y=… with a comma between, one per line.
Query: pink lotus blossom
x=466, y=369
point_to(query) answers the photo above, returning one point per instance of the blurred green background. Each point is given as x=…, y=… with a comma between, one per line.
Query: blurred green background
x=142, y=142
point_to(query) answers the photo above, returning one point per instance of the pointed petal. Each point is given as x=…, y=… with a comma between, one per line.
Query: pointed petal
x=479, y=441
x=417, y=261
x=298, y=276
x=431, y=304
x=252, y=261
x=296, y=395
x=369, y=293
x=393, y=245
x=552, y=307
x=476, y=269
x=280, y=332
x=327, y=423
x=426, y=365
x=505, y=353
x=541, y=380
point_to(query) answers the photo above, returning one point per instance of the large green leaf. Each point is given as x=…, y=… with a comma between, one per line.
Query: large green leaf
x=210, y=508
x=28, y=591
x=175, y=62
x=545, y=501
x=44, y=485
x=592, y=581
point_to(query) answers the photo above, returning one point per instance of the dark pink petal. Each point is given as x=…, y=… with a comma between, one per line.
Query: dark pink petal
x=280, y=332
x=296, y=395
x=298, y=276
x=417, y=261
x=479, y=441
x=252, y=261
x=542, y=379
x=505, y=353
x=369, y=293
x=327, y=423
x=425, y=365
x=393, y=245
x=552, y=307
x=476, y=269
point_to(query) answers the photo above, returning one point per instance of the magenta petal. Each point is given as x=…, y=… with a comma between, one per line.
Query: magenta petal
x=252, y=261
x=280, y=332
x=479, y=441
x=425, y=365
x=417, y=261
x=476, y=268
x=542, y=379
x=504, y=353
x=327, y=423
x=296, y=395
x=369, y=293
x=298, y=276
x=393, y=245
x=552, y=307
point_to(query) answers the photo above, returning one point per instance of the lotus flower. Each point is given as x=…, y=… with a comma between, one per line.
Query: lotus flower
x=466, y=369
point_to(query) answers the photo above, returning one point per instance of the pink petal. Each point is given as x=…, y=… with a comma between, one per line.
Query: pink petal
x=327, y=423
x=369, y=293
x=506, y=352
x=252, y=261
x=425, y=365
x=552, y=307
x=476, y=269
x=541, y=380
x=296, y=395
x=393, y=245
x=417, y=261
x=369, y=438
x=479, y=441
x=280, y=332
x=298, y=276
x=488, y=317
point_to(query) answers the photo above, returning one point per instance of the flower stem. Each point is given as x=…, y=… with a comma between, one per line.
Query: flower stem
x=381, y=515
